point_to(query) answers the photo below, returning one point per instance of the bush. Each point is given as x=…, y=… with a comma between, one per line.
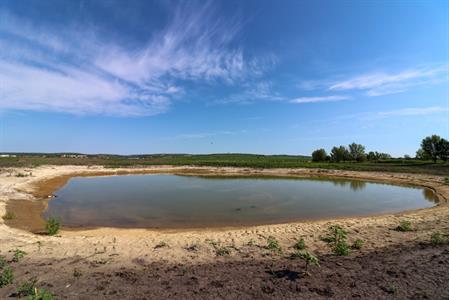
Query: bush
x=437, y=239
x=6, y=277
x=273, y=244
x=358, y=244
x=52, y=226
x=404, y=226
x=319, y=155
x=300, y=245
x=341, y=248
x=337, y=239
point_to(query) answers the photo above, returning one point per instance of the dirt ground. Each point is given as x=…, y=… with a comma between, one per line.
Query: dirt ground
x=110, y=263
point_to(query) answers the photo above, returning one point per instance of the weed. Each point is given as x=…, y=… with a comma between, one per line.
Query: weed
x=2, y=262
x=18, y=254
x=273, y=244
x=41, y=294
x=358, y=244
x=446, y=180
x=27, y=288
x=251, y=243
x=309, y=258
x=404, y=225
x=222, y=251
x=341, y=248
x=437, y=239
x=6, y=277
x=337, y=238
x=52, y=226
x=9, y=216
x=77, y=273
x=184, y=270
x=161, y=244
x=300, y=245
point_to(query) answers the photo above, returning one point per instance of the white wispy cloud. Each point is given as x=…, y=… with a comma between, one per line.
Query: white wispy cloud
x=253, y=92
x=203, y=135
x=411, y=111
x=303, y=100
x=73, y=70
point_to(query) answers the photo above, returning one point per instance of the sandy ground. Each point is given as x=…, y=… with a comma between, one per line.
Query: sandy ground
x=127, y=263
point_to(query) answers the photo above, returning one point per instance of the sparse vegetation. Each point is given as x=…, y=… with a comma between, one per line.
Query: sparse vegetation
x=300, y=245
x=18, y=255
x=6, y=276
x=52, y=226
x=2, y=262
x=446, y=180
x=27, y=288
x=222, y=251
x=337, y=239
x=404, y=226
x=9, y=216
x=310, y=259
x=77, y=273
x=358, y=244
x=40, y=294
x=273, y=244
x=161, y=244
x=437, y=239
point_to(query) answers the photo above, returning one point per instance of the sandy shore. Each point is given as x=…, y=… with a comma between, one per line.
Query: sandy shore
x=115, y=249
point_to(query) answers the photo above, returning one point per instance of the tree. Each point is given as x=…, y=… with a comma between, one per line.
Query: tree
x=357, y=152
x=430, y=146
x=319, y=155
x=420, y=154
x=339, y=154
x=443, y=149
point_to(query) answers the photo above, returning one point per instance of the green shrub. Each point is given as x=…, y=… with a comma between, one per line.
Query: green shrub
x=222, y=251
x=6, y=277
x=9, y=216
x=2, y=262
x=404, y=225
x=358, y=244
x=300, y=245
x=341, y=248
x=18, y=254
x=337, y=239
x=40, y=294
x=437, y=239
x=310, y=259
x=273, y=244
x=52, y=226
x=27, y=288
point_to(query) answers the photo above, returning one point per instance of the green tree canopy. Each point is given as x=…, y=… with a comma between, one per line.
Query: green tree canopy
x=357, y=152
x=430, y=147
x=339, y=154
x=319, y=155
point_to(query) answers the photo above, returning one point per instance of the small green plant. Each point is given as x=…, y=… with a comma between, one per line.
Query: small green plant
x=52, y=226
x=161, y=244
x=337, y=239
x=18, y=255
x=404, y=226
x=6, y=277
x=222, y=251
x=300, y=245
x=358, y=244
x=77, y=273
x=2, y=262
x=437, y=239
x=27, y=288
x=9, y=216
x=341, y=248
x=273, y=244
x=40, y=294
x=309, y=258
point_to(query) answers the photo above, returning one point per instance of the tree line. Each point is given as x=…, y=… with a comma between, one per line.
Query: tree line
x=432, y=148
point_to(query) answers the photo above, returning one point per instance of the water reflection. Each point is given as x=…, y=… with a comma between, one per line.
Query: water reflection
x=355, y=185
x=430, y=195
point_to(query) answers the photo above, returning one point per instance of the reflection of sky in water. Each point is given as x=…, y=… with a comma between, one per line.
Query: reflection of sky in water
x=182, y=201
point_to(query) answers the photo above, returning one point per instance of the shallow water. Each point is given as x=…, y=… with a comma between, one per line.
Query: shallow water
x=173, y=201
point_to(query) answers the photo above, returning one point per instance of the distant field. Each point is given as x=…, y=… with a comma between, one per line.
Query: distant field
x=227, y=160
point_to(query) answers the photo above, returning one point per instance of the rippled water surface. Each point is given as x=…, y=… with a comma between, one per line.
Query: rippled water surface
x=173, y=201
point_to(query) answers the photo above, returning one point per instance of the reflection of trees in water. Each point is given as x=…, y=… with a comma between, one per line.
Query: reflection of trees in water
x=355, y=185
x=429, y=195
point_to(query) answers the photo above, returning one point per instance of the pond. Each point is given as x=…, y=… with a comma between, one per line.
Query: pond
x=176, y=201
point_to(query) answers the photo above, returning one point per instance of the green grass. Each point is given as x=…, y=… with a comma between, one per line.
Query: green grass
x=6, y=276
x=52, y=226
x=226, y=160
x=222, y=251
x=273, y=244
x=404, y=226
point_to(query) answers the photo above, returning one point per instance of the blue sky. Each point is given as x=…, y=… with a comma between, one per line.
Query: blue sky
x=268, y=77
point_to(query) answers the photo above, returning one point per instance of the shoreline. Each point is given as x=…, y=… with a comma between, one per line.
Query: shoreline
x=42, y=189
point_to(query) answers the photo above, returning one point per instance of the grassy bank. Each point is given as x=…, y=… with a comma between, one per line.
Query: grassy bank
x=225, y=160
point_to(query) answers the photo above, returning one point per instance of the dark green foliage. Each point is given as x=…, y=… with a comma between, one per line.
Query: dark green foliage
x=300, y=245
x=377, y=156
x=339, y=154
x=319, y=155
x=6, y=276
x=273, y=244
x=357, y=152
x=404, y=226
x=341, y=248
x=434, y=147
x=52, y=226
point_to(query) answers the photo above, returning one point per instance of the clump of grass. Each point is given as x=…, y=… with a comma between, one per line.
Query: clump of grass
x=27, y=288
x=437, y=239
x=337, y=239
x=2, y=262
x=52, y=226
x=222, y=251
x=18, y=255
x=162, y=244
x=404, y=226
x=9, y=216
x=6, y=277
x=358, y=244
x=41, y=294
x=273, y=244
x=300, y=245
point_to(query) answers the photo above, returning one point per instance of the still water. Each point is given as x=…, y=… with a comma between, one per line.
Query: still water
x=174, y=201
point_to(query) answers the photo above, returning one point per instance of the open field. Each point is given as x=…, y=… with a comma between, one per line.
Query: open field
x=226, y=160
x=107, y=263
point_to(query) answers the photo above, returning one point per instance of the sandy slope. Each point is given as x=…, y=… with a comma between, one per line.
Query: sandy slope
x=118, y=249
